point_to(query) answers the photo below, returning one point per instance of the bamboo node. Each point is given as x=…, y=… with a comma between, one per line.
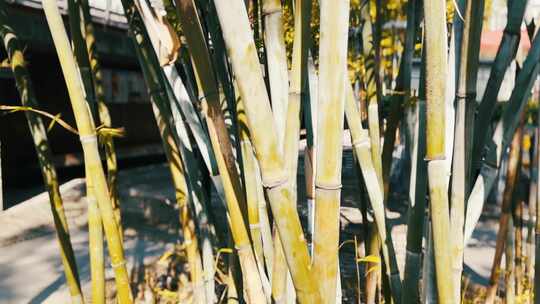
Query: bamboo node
x=361, y=143
x=466, y=96
x=242, y=247
x=275, y=183
x=205, y=97
x=88, y=138
x=270, y=11
x=323, y=186
x=122, y=263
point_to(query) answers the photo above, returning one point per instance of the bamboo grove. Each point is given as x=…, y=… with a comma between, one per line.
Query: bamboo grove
x=236, y=85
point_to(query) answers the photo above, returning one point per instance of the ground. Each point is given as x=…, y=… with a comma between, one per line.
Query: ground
x=31, y=270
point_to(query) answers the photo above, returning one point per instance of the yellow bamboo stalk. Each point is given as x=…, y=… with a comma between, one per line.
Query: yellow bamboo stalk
x=103, y=110
x=332, y=60
x=88, y=139
x=470, y=47
x=436, y=70
x=39, y=136
x=291, y=130
x=243, y=55
x=276, y=57
x=95, y=244
x=361, y=143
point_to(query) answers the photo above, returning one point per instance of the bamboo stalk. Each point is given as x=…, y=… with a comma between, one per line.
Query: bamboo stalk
x=198, y=201
x=291, y=132
x=510, y=275
x=162, y=112
x=505, y=127
x=506, y=213
x=403, y=84
x=436, y=69
x=88, y=138
x=371, y=83
x=95, y=244
x=518, y=251
x=276, y=58
x=222, y=148
x=241, y=49
x=465, y=101
x=537, y=221
x=39, y=136
x=332, y=59
x=252, y=196
x=417, y=197
x=103, y=111
x=505, y=54
x=361, y=145
x=532, y=207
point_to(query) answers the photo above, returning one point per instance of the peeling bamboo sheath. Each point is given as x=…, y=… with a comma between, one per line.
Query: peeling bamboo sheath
x=436, y=71
x=88, y=138
x=39, y=136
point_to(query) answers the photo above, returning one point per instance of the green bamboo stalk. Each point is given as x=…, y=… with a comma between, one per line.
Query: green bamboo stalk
x=39, y=136
x=88, y=138
x=95, y=244
x=241, y=49
x=506, y=126
x=465, y=102
x=417, y=197
x=506, y=214
x=103, y=111
x=505, y=54
x=222, y=147
x=403, y=89
x=436, y=70
x=76, y=28
x=332, y=60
